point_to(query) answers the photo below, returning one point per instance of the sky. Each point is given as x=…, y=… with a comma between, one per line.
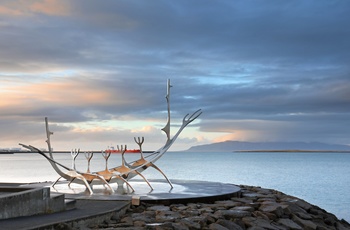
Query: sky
x=261, y=71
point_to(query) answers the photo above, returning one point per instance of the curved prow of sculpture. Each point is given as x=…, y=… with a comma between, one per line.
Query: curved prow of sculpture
x=36, y=150
x=72, y=174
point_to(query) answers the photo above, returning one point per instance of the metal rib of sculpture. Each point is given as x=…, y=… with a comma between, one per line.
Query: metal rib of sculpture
x=88, y=156
x=124, y=172
x=142, y=161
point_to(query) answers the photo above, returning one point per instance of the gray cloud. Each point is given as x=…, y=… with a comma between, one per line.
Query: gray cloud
x=284, y=64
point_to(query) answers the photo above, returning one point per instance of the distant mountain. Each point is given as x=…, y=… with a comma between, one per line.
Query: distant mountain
x=229, y=146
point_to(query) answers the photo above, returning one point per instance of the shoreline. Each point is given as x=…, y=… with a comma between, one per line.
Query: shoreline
x=256, y=208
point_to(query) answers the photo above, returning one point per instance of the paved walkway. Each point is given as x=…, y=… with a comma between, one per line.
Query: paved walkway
x=89, y=211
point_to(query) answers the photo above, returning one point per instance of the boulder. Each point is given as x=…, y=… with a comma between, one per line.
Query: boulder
x=305, y=224
x=272, y=207
x=215, y=226
x=232, y=214
x=289, y=224
x=159, y=208
x=252, y=222
x=229, y=225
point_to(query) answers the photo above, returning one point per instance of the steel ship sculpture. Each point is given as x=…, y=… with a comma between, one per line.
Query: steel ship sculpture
x=120, y=174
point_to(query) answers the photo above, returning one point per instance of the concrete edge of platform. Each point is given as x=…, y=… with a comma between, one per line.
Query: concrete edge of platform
x=76, y=221
x=86, y=213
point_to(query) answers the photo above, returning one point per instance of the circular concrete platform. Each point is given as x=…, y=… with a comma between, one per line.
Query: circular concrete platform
x=183, y=191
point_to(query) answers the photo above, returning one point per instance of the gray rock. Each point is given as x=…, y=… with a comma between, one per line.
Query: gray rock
x=210, y=218
x=303, y=204
x=264, y=191
x=190, y=212
x=272, y=207
x=205, y=210
x=167, y=216
x=305, y=224
x=174, y=207
x=258, y=222
x=232, y=214
x=267, y=198
x=179, y=209
x=271, y=216
x=190, y=224
x=121, y=225
x=242, y=200
x=252, y=196
x=229, y=225
x=159, y=208
x=127, y=220
x=142, y=217
x=256, y=228
x=163, y=226
x=260, y=214
x=179, y=226
x=244, y=208
x=289, y=224
x=215, y=226
x=291, y=207
x=201, y=220
x=139, y=223
x=124, y=228
x=228, y=203
x=304, y=215
x=340, y=226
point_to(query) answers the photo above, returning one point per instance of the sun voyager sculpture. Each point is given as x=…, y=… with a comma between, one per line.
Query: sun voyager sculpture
x=119, y=174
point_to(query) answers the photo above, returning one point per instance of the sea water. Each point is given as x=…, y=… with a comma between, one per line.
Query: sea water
x=321, y=179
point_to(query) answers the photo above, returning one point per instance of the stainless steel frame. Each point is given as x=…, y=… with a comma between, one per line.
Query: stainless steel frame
x=126, y=171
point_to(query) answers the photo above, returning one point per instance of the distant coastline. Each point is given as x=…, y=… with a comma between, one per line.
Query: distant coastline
x=63, y=151
x=244, y=146
x=293, y=151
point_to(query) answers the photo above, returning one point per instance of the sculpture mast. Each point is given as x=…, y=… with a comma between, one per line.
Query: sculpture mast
x=48, y=141
x=166, y=129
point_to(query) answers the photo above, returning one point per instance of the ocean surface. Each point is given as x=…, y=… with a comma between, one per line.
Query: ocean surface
x=322, y=179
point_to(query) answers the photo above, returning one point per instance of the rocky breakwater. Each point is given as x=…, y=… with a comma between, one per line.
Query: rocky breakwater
x=257, y=208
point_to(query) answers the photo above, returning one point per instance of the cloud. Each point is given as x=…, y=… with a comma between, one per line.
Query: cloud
x=50, y=7
x=20, y=8
x=277, y=70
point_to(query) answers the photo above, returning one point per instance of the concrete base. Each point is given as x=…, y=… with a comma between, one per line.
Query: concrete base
x=22, y=201
x=183, y=191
